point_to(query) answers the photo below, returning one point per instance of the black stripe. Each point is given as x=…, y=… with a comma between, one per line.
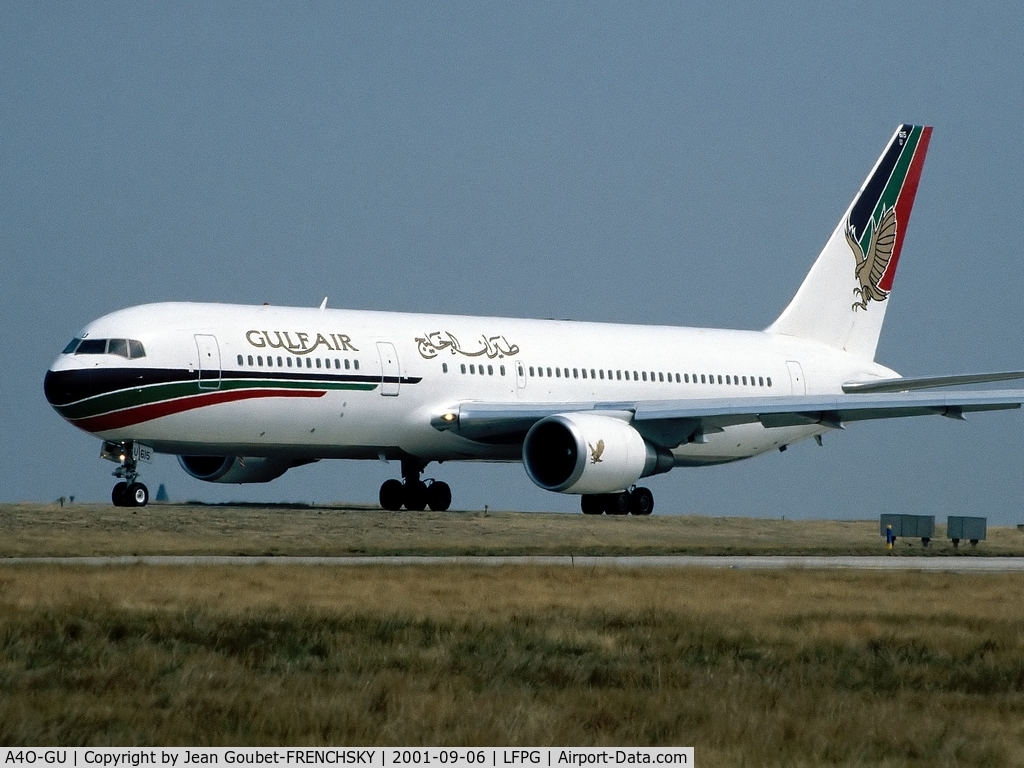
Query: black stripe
x=65, y=387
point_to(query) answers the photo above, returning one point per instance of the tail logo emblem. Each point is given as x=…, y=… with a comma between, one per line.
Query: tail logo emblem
x=872, y=263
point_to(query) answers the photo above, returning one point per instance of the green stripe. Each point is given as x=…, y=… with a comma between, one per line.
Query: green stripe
x=136, y=396
x=891, y=193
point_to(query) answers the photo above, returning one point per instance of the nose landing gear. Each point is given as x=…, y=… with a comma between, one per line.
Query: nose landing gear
x=415, y=494
x=129, y=492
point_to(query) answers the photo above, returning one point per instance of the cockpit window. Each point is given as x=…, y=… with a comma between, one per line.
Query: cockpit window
x=92, y=347
x=128, y=348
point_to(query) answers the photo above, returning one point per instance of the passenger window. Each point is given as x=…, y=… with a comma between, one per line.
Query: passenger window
x=744, y=381
x=250, y=360
x=566, y=372
x=501, y=370
x=576, y=373
x=356, y=364
x=289, y=361
x=327, y=362
x=531, y=371
x=490, y=370
x=463, y=367
x=769, y=380
x=259, y=360
x=472, y=368
x=318, y=362
x=645, y=375
x=728, y=379
x=240, y=360
x=279, y=362
x=347, y=366
x=444, y=367
x=618, y=375
x=660, y=377
x=602, y=373
x=337, y=364
x=270, y=362
x=702, y=381
x=549, y=373
x=558, y=373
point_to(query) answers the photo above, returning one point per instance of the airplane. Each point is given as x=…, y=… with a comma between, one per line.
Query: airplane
x=242, y=394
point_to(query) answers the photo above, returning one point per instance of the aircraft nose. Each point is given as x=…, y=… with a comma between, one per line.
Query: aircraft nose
x=60, y=387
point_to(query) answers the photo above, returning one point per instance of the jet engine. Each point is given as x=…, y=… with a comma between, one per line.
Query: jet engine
x=589, y=453
x=233, y=469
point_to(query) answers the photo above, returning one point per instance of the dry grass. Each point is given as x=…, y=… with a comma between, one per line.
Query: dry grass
x=100, y=529
x=786, y=668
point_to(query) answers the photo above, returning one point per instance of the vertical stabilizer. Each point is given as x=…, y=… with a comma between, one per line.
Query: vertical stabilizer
x=842, y=300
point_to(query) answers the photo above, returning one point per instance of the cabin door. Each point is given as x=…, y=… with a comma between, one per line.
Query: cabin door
x=209, y=361
x=390, y=375
x=796, y=377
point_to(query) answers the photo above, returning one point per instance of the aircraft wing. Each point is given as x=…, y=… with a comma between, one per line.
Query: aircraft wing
x=670, y=423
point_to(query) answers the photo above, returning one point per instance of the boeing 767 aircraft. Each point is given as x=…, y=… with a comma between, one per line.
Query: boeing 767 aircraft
x=242, y=394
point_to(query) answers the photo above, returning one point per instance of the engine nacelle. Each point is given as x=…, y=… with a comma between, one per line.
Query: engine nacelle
x=589, y=453
x=232, y=469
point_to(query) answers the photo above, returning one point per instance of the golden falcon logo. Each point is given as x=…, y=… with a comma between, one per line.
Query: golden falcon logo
x=871, y=266
x=595, y=453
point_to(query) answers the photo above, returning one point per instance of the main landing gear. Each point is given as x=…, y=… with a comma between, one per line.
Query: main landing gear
x=129, y=492
x=415, y=494
x=638, y=501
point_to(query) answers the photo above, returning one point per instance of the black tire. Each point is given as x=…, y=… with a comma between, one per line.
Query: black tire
x=641, y=501
x=120, y=495
x=415, y=496
x=439, y=496
x=592, y=504
x=617, y=503
x=392, y=493
x=136, y=495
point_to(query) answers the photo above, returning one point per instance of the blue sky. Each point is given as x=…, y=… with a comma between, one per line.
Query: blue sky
x=644, y=162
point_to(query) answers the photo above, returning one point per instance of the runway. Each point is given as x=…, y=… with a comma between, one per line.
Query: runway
x=941, y=564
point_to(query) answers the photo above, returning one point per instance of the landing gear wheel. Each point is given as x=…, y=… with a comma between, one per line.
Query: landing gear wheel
x=641, y=501
x=391, y=495
x=415, y=495
x=592, y=504
x=119, y=495
x=439, y=496
x=617, y=503
x=136, y=495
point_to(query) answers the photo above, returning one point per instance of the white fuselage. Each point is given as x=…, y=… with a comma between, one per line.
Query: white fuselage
x=391, y=373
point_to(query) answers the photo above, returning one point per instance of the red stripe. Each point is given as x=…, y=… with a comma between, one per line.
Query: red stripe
x=131, y=416
x=904, y=204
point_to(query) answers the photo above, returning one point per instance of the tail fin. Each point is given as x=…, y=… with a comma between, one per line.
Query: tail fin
x=842, y=300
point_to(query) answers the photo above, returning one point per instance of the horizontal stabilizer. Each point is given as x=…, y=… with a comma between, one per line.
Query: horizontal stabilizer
x=928, y=382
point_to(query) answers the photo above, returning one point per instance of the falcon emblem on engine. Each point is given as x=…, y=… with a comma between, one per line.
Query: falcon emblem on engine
x=595, y=453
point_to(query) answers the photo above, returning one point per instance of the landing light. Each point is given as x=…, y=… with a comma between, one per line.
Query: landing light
x=449, y=417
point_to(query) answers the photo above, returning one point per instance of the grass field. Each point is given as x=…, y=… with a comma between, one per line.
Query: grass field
x=781, y=668
x=795, y=668
x=101, y=529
